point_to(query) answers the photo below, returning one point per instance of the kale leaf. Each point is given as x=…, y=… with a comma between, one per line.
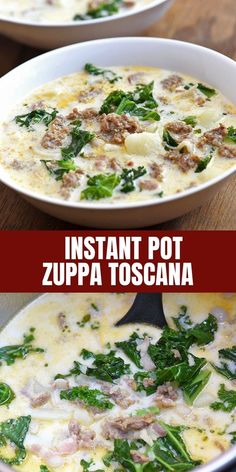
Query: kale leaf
x=103, y=10
x=227, y=367
x=201, y=333
x=171, y=452
x=231, y=135
x=14, y=431
x=228, y=400
x=169, y=141
x=36, y=116
x=233, y=434
x=79, y=138
x=58, y=168
x=44, y=468
x=168, y=453
x=209, y=92
x=90, y=397
x=6, y=394
x=9, y=354
x=202, y=165
x=193, y=388
x=87, y=464
x=130, y=348
x=128, y=176
x=100, y=186
x=190, y=120
x=140, y=103
x=107, y=367
x=106, y=73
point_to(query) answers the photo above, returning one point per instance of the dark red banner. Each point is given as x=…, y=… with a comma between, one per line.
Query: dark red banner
x=88, y=261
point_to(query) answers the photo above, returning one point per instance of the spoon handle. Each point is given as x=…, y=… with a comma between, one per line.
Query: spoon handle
x=146, y=308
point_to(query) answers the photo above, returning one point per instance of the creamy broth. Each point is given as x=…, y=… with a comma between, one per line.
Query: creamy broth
x=63, y=431
x=60, y=11
x=122, y=134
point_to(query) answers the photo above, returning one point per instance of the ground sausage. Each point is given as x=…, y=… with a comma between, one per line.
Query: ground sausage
x=119, y=427
x=86, y=114
x=116, y=127
x=40, y=400
x=179, y=129
x=61, y=320
x=135, y=78
x=172, y=82
x=213, y=137
x=185, y=161
x=227, y=151
x=155, y=171
x=56, y=133
x=148, y=184
x=166, y=395
x=138, y=457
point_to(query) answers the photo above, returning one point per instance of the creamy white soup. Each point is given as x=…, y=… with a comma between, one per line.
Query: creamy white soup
x=122, y=134
x=78, y=394
x=59, y=11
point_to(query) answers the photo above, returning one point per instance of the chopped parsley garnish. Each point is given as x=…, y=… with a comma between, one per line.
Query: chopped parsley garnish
x=106, y=73
x=13, y=432
x=228, y=400
x=35, y=117
x=90, y=397
x=202, y=165
x=6, y=394
x=209, y=92
x=100, y=186
x=104, y=9
x=9, y=354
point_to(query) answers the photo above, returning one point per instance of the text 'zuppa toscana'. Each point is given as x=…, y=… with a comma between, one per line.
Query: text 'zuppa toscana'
x=78, y=394
x=123, y=134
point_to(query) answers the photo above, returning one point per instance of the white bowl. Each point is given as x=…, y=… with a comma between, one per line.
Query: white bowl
x=54, y=35
x=205, y=64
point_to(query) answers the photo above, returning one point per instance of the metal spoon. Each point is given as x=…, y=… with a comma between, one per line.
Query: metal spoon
x=146, y=308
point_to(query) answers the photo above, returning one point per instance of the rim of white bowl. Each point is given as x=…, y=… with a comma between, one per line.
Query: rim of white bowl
x=114, y=205
x=74, y=23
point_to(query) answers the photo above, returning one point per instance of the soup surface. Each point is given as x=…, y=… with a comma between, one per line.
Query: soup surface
x=56, y=11
x=118, y=135
x=78, y=394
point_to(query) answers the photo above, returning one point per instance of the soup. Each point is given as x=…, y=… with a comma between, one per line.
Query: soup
x=60, y=11
x=123, y=134
x=79, y=394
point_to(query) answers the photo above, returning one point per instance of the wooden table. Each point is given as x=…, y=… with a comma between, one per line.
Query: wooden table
x=211, y=23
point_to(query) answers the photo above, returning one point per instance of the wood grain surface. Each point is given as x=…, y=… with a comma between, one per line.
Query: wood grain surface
x=211, y=23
